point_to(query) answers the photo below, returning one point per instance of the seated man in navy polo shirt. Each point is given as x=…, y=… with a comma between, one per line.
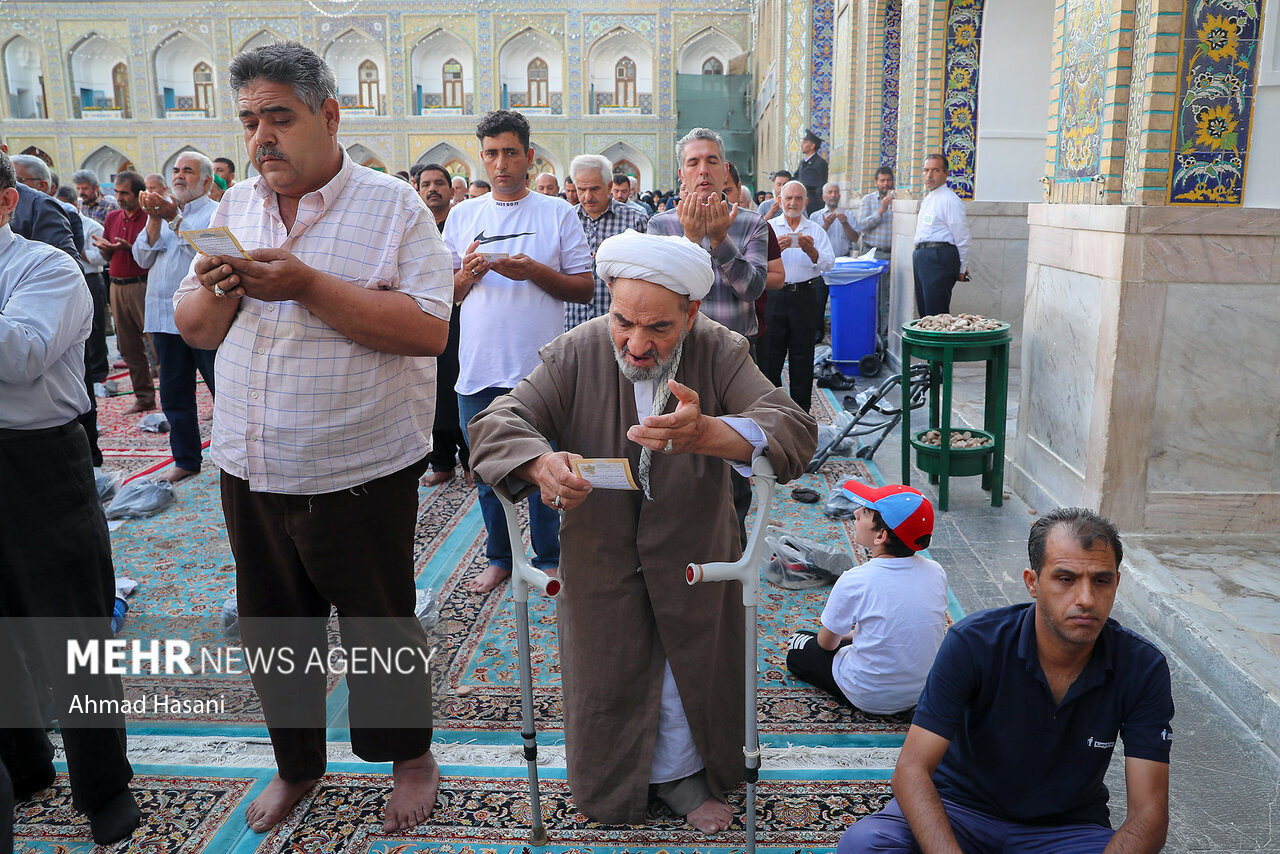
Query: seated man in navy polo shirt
x=1020, y=715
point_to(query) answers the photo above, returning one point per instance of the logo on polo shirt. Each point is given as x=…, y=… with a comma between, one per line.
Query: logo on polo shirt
x=1101, y=745
x=1166, y=735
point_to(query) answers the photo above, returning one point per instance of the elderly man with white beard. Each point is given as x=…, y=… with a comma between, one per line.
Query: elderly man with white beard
x=651, y=668
x=161, y=249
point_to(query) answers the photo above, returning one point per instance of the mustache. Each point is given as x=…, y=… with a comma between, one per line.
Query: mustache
x=269, y=151
x=434, y=195
x=652, y=353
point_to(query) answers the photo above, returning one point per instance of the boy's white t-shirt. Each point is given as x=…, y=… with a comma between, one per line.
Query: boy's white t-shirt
x=504, y=323
x=899, y=605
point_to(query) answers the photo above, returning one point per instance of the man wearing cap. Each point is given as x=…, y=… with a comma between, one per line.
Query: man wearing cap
x=676, y=395
x=885, y=619
x=1022, y=710
x=812, y=171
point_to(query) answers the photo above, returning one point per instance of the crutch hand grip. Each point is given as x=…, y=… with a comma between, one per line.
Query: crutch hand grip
x=533, y=577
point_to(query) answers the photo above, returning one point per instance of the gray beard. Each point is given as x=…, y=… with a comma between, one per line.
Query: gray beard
x=663, y=369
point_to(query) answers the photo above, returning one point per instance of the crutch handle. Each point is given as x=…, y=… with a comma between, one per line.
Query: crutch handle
x=524, y=574
x=747, y=568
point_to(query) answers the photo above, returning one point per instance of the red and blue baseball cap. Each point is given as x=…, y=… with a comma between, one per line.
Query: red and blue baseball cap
x=907, y=513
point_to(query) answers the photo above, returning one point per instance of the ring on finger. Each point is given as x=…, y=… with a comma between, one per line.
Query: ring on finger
x=669, y=447
x=556, y=502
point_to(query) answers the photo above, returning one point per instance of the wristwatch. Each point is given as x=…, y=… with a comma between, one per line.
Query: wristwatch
x=177, y=221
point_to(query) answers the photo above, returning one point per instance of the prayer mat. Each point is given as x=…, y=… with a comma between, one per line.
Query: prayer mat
x=118, y=432
x=477, y=812
x=185, y=573
x=184, y=811
x=476, y=638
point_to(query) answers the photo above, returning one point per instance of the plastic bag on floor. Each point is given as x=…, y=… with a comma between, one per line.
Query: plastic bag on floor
x=799, y=563
x=108, y=483
x=231, y=619
x=827, y=433
x=141, y=498
x=427, y=608
x=153, y=422
x=840, y=503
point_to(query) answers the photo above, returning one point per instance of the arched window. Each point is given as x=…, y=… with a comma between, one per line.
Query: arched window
x=369, y=85
x=626, y=167
x=538, y=166
x=713, y=66
x=539, y=80
x=624, y=87
x=204, y=88
x=120, y=83
x=457, y=167
x=453, y=83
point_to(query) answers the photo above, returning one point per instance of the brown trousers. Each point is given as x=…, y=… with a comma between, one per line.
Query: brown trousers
x=128, y=308
x=297, y=554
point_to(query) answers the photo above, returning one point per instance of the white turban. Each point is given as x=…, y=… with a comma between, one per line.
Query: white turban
x=674, y=262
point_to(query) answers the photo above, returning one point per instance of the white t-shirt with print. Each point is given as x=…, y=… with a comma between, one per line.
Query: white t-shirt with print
x=899, y=605
x=505, y=322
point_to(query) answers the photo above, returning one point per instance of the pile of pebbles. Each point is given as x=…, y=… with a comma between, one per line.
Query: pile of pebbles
x=959, y=438
x=957, y=323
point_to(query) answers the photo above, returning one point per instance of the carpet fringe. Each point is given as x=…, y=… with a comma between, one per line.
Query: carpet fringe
x=256, y=753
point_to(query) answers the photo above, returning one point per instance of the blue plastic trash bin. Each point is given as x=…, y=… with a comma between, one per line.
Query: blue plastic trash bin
x=853, y=309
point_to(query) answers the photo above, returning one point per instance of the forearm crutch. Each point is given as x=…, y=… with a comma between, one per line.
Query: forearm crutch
x=747, y=571
x=523, y=576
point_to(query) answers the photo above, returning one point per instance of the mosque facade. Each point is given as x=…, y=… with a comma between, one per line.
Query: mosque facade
x=102, y=85
x=1104, y=149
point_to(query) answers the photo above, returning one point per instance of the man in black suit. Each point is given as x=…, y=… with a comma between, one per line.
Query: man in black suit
x=812, y=171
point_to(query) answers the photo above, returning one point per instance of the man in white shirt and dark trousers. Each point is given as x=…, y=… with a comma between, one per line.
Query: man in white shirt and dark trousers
x=793, y=314
x=941, y=256
x=518, y=257
x=168, y=257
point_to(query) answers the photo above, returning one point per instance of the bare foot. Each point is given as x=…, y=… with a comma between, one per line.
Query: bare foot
x=138, y=407
x=552, y=572
x=414, y=796
x=436, y=478
x=488, y=580
x=176, y=474
x=471, y=479
x=275, y=802
x=712, y=817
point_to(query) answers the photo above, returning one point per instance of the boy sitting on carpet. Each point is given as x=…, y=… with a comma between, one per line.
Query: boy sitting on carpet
x=885, y=619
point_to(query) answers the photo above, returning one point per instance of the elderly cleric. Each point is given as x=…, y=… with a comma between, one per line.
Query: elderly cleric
x=678, y=396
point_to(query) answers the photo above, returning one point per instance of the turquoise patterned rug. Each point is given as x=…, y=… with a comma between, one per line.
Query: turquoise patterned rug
x=192, y=809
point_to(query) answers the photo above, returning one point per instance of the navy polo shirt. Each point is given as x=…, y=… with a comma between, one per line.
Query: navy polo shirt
x=1017, y=755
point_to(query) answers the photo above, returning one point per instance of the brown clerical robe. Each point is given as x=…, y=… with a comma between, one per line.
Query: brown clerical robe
x=625, y=604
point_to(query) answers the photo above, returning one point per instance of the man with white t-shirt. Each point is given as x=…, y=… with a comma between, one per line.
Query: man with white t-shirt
x=518, y=257
x=885, y=619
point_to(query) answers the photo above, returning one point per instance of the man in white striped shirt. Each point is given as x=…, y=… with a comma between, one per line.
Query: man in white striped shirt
x=322, y=422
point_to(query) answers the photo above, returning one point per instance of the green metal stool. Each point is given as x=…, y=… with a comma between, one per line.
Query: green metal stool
x=942, y=350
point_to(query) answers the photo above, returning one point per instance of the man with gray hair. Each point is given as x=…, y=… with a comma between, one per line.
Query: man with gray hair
x=322, y=423
x=738, y=241
x=168, y=257
x=36, y=175
x=602, y=216
x=92, y=202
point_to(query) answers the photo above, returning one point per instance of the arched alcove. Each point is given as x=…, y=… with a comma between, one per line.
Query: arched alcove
x=360, y=64
x=706, y=45
x=544, y=161
x=99, y=79
x=260, y=38
x=609, y=60
x=442, y=72
x=184, y=78
x=620, y=151
x=445, y=154
x=366, y=157
x=24, y=79
x=106, y=162
x=526, y=54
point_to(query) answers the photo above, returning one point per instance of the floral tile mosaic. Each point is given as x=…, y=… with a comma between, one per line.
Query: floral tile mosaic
x=960, y=98
x=1215, y=105
x=822, y=51
x=890, y=82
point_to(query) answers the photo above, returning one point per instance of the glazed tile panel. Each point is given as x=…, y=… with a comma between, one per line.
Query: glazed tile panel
x=1215, y=102
x=1081, y=97
x=889, y=96
x=960, y=100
